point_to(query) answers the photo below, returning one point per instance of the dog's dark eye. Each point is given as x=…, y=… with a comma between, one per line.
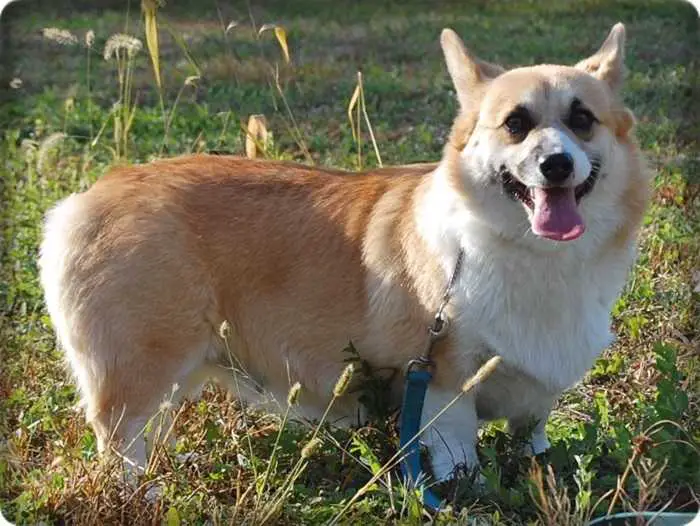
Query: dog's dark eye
x=581, y=120
x=519, y=123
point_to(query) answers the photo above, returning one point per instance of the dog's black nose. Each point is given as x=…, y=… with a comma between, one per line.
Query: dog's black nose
x=557, y=167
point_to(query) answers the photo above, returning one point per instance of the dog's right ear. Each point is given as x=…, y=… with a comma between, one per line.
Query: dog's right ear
x=607, y=64
x=468, y=72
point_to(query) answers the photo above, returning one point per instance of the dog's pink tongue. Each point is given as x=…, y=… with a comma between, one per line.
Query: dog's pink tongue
x=556, y=214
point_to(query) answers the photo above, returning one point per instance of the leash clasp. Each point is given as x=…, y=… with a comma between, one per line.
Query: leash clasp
x=439, y=327
x=436, y=331
x=419, y=363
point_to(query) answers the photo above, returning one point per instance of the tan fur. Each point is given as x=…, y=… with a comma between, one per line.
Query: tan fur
x=143, y=268
x=178, y=246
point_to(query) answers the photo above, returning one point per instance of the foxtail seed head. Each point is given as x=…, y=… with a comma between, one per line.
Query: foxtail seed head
x=225, y=330
x=481, y=375
x=344, y=381
x=309, y=449
x=293, y=395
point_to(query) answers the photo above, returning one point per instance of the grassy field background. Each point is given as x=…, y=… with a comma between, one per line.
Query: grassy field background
x=626, y=438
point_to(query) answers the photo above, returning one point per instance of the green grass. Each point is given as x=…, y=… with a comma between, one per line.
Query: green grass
x=633, y=421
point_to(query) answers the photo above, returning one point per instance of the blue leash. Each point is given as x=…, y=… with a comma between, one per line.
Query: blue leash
x=418, y=376
x=415, y=387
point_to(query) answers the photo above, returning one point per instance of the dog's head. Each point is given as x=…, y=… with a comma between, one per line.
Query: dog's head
x=534, y=144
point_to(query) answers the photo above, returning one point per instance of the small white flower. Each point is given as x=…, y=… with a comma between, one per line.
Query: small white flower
x=119, y=41
x=60, y=36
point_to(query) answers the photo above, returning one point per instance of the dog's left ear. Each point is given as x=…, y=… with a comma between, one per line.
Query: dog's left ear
x=607, y=64
x=468, y=72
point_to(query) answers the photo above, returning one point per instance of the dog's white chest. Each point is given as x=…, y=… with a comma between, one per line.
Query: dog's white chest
x=545, y=317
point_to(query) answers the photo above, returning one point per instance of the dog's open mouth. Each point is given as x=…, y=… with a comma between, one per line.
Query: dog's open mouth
x=553, y=211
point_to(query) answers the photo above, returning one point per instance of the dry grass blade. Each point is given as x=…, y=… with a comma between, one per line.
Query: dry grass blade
x=281, y=35
x=150, y=10
x=351, y=106
x=370, y=130
x=358, y=105
x=180, y=42
x=355, y=104
x=292, y=125
x=551, y=498
x=256, y=137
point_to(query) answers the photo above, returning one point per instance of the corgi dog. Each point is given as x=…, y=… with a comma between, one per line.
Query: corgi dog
x=540, y=192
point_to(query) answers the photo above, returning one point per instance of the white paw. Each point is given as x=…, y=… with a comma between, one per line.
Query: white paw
x=447, y=465
x=442, y=470
x=538, y=443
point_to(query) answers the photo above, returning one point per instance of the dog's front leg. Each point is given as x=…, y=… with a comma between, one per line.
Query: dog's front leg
x=537, y=441
x=452, y=438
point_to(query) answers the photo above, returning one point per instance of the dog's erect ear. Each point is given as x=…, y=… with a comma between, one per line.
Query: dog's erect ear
x=467, y=71
x=607, y=64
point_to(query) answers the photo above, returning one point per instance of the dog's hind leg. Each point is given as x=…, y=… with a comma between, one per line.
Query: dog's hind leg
x=134, y=391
